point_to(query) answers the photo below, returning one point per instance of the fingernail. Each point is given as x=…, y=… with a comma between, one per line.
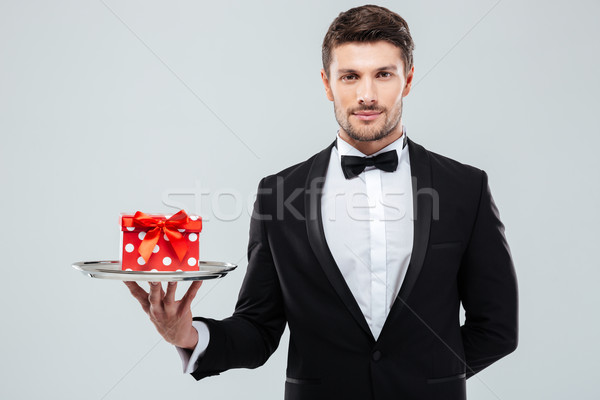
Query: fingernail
x=154, y=283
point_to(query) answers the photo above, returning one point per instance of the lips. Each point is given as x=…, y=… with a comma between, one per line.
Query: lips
x=367, y=115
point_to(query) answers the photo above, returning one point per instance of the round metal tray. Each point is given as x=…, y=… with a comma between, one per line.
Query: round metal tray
x=112, y=270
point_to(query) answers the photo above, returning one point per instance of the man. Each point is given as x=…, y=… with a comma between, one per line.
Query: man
x=371, y=295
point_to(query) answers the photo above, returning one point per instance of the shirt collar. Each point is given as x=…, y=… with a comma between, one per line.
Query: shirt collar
x=346, y=149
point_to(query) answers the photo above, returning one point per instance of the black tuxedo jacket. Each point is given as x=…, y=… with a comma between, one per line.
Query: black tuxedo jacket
x=460, y=255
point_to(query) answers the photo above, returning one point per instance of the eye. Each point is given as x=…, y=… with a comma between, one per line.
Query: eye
x=348, y=77
x=387, y=74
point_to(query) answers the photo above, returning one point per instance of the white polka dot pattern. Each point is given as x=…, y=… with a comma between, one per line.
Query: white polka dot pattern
x=142, y=235
x=141, y=261
x=167, y=261
x=156, y=249
x=129, y=248
x=191, y=261
x=193, y=237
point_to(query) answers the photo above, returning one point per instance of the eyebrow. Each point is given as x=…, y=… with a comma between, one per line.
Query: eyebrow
x=350, y=70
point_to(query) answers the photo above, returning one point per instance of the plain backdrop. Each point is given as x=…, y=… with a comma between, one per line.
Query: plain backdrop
x=109, y=106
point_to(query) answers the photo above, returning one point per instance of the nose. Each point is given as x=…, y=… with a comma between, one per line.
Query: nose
x=366, y=93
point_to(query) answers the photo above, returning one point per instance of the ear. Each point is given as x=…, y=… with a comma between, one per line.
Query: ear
x=409, y=79
x=327, y=85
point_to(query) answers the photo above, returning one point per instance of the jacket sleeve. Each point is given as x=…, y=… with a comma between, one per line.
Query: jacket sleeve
x=249, y=337
x=488, y=289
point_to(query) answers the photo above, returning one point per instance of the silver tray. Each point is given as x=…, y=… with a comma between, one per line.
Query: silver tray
x=112, y=270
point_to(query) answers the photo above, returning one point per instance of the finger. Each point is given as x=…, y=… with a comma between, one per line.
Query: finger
x=140, y=294
x=188, y=297
x=170, y=296
x=156, y=295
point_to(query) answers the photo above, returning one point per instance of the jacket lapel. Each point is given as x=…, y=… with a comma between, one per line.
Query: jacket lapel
x=422, y=207
x=316, y=235
x=422, y=213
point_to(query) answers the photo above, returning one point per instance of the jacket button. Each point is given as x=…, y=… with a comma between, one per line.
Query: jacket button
x=376, y=355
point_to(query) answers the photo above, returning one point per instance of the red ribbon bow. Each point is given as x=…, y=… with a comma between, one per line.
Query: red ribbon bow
x=159, y=226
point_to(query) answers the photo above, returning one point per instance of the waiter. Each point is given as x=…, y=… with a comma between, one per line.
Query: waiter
x=366, y=250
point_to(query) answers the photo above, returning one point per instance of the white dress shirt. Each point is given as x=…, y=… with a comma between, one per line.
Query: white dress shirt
x=377, y=208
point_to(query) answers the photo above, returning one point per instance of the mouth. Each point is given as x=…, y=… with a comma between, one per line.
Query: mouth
x=367, y=115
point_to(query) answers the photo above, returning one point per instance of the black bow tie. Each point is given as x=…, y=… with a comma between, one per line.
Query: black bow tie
x=354, y=165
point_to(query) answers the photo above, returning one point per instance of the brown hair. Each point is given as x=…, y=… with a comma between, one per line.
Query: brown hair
x=368, y=23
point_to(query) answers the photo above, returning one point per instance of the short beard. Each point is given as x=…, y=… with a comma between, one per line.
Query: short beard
x=387, y=129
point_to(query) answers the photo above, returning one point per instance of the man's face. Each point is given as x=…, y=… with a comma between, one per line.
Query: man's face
x=366, y=85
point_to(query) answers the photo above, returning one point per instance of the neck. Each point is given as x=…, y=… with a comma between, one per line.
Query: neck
x=372, y=146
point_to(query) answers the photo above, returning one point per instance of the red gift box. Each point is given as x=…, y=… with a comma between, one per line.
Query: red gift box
x=158, y=242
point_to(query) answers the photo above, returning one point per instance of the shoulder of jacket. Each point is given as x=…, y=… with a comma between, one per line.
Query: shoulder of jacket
x=296, y=171
x=445, y=164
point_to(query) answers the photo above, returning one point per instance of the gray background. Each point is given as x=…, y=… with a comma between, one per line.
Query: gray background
x=118, y=106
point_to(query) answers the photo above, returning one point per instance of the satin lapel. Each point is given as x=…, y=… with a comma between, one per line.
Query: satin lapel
x=420, y=168
x=316, y=235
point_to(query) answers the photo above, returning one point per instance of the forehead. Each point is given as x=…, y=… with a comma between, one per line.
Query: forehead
x=365, y=56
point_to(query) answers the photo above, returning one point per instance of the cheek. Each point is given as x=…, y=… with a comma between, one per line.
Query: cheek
x=344, y=94
x=342, y=101
x=394, y=99
x=392, y=95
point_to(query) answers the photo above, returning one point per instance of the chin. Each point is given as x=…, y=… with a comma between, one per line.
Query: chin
x=369, y=136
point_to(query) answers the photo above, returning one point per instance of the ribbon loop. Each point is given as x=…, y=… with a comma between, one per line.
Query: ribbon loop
x=159, y=226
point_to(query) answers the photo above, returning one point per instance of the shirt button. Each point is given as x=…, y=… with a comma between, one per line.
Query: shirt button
x=376, y=355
